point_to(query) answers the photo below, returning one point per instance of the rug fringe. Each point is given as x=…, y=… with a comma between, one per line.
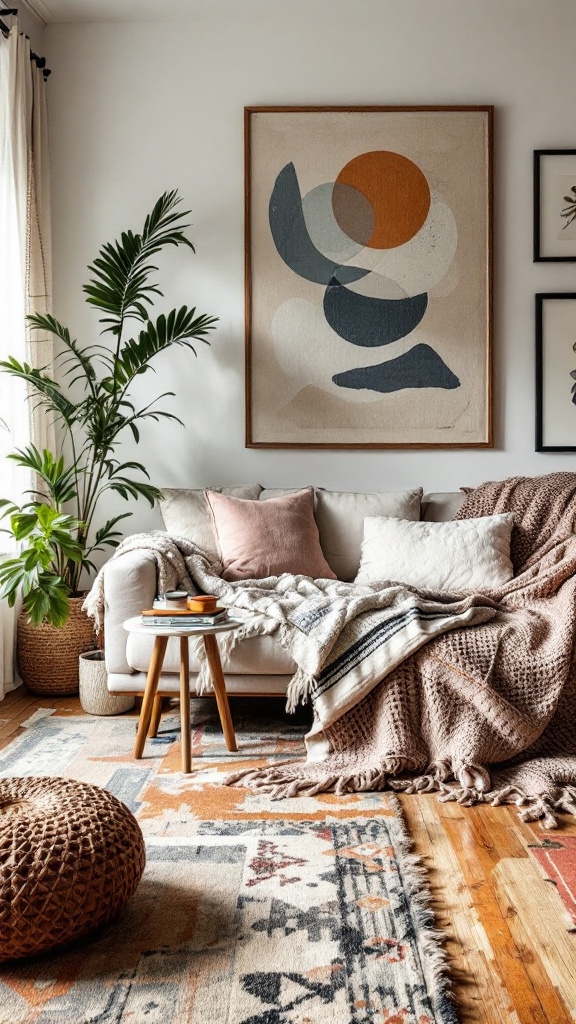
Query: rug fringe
x=435, y=963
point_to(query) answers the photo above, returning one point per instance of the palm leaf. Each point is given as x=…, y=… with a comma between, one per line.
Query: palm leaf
x=120, y=286
x=59, y=480
x=49, y=323
x=48, y=391
x=180, y=327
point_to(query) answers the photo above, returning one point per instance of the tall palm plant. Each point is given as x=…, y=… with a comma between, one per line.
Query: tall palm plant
x=57, y=525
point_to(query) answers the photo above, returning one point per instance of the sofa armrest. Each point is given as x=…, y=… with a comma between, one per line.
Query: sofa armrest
x=129, y=587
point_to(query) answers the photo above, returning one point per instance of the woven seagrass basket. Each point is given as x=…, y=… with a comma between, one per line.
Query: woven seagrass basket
x=71, y=856
x=48, y=656
x=95, y=697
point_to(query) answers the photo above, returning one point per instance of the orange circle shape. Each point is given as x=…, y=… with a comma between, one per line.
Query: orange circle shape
x=397, y=191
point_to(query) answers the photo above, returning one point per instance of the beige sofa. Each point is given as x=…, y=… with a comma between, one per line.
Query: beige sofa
x=258, y=666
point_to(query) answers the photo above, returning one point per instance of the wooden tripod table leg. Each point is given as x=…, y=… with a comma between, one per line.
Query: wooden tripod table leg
x=154, y=671
x=215, y=665
x=185, y=705
x=156, y=716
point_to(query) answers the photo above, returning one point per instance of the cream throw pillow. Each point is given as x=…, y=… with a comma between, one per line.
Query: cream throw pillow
x=464, y=554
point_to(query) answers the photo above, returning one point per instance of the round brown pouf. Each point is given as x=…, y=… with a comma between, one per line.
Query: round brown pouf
x=71, y=856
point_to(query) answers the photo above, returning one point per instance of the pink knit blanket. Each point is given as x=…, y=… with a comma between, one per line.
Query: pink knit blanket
x=484, y=712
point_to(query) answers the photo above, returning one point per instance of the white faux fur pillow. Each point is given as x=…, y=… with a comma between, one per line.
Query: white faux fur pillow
x=463, y=554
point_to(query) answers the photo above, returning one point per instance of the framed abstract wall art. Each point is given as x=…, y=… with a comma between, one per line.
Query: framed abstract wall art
x=368, y=277
x=556, y=372
x=555, y=205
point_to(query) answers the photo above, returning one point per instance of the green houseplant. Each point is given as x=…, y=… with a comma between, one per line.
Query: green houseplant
x=57, y=526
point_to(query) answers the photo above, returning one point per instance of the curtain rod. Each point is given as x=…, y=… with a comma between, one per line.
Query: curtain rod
x=6, y=11
x=39, y=61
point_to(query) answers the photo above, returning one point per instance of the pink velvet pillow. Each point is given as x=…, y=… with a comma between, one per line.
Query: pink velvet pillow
x=266, y=538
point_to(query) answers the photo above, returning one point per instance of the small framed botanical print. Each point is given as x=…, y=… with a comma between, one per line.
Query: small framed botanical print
x=555, y=205
x=556, y=372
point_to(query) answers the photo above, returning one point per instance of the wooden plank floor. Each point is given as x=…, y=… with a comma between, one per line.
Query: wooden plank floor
x=511, y=952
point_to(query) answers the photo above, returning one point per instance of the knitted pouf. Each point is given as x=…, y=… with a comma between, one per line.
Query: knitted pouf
x=71, y=856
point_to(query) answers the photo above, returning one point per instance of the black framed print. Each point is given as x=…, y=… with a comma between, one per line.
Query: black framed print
x=555, y=205
x=556, y=372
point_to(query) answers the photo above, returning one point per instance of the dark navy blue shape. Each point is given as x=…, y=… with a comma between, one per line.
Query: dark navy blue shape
x=370, y=322
x=421, y=367
x=291, y=236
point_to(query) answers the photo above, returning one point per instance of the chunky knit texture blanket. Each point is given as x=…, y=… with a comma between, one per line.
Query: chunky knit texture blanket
x=483, y=713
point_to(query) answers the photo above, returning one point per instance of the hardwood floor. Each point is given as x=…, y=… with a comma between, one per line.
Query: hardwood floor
x=511, y=952
x=510, y=948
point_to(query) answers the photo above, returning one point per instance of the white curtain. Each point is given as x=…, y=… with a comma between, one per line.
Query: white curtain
x=25, y=276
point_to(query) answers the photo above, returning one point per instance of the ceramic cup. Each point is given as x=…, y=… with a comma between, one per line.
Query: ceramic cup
x=175, y=598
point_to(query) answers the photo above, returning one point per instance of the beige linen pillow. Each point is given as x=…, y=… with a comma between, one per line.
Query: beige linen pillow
x=465, y=554
x=186, y=513
x=257, y=539
x=340, y=516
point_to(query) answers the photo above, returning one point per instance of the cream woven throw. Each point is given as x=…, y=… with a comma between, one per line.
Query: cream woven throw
x=482, y=713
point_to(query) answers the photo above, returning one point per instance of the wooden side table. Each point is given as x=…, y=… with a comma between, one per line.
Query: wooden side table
x=150, y=709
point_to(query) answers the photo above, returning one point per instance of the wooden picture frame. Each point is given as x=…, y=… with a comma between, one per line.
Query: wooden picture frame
x=555, y=371
x=555, y=205
x=368, y=277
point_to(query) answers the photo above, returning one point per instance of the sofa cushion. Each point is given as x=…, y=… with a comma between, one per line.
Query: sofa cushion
x=278, y=492
x=186, y=513
x=257, y=655
x=340, y=517
x=267, y=538
x=466, y=554
x=440, y=506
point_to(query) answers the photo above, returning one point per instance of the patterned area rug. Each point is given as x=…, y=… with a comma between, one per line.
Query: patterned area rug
x=309, y=911
x=556, y=856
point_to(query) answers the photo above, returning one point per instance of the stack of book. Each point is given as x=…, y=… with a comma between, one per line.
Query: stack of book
x=179, y=617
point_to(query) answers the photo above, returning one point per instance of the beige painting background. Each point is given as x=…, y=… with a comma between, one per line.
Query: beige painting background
x=286, y=406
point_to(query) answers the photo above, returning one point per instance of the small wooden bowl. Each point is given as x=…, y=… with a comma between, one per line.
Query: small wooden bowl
x=202, y=603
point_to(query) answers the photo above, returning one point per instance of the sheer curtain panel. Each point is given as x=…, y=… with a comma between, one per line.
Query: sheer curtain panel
x=25, y=276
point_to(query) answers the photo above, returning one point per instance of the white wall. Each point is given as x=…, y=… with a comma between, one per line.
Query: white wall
x=140, y=108
x=30, y=24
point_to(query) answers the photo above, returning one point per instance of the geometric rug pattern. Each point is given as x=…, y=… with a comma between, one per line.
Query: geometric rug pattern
x=250, y=911
x=556, y=856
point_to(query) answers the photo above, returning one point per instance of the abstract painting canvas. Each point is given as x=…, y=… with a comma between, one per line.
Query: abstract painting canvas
x=368, y=277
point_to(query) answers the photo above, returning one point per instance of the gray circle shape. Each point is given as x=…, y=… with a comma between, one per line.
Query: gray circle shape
x=322, y=226
x=353, y=213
